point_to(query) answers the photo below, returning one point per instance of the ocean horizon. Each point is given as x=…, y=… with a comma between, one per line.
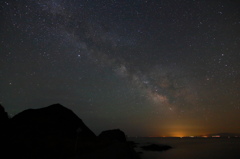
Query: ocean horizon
x=190, y=148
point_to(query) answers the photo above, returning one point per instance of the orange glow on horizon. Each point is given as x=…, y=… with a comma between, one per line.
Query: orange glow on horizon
x=177, y=134
x=205, y=136
x=182, y=134
x=172, y=134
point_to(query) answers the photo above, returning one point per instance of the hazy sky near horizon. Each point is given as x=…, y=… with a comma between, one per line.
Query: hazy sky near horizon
x=148, y=67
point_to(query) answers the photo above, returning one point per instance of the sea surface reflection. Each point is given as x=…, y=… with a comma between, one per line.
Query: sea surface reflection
x=192, y=148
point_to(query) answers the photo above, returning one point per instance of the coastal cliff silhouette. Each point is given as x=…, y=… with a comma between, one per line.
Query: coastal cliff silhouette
x=55, y=132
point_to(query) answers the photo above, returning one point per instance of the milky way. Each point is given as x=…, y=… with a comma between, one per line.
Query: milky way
x=147, y=67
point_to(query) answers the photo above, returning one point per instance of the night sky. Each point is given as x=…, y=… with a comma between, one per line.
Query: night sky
x=148, y=67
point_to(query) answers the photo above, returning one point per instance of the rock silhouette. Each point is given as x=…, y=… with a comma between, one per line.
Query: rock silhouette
x=115, y=135
x=55, y=132
x=54, y=119
x=50, y=132
x=3, y=125
x=3, y=116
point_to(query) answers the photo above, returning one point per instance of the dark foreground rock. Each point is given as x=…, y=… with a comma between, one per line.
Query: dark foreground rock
x=133, y=144
x=55, y=132
x=52, y=120
x=3, y=124
x=3, y=116
x=115, y=134
x=50, y=132
x=154, y=147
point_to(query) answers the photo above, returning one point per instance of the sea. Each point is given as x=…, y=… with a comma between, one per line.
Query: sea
x=190, y=148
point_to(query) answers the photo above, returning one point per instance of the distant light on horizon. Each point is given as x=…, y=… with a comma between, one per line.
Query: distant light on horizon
x=205, y=136
x=216, y=136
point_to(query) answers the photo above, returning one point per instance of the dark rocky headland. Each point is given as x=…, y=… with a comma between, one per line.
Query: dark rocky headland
x=55, y=132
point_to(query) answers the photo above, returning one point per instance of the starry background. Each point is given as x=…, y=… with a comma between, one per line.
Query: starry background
x=148, y=67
